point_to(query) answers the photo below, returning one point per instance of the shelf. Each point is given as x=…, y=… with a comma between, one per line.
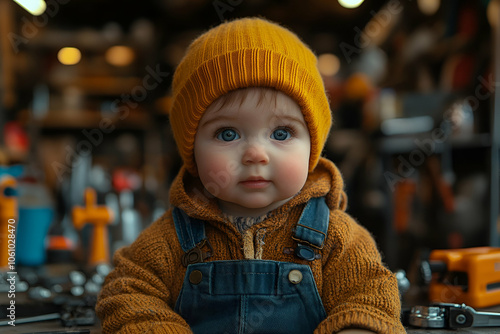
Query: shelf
x=99, y=85
x=68, y=120
x=430, y=144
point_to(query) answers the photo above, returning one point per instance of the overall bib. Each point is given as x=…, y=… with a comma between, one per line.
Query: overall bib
x=252, y=296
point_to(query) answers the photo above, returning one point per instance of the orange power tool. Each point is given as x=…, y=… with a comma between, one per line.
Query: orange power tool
x=469, y=275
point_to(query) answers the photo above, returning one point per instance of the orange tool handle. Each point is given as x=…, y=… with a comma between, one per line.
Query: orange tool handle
x=100, y=217
x=8, y=211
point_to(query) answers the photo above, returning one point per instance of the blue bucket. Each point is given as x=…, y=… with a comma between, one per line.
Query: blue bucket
x=32, y=229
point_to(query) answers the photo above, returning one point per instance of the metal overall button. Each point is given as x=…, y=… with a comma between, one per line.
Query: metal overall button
x=295, y=276
x=197, y=255
x=195, y=277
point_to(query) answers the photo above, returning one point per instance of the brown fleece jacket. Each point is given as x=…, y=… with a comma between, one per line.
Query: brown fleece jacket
x=356, y=289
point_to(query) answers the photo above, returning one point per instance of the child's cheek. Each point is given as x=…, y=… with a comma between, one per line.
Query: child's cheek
x=293, y=174
x=216, y=172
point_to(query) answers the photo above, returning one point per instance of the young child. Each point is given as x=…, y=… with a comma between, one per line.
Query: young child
x=257, y=239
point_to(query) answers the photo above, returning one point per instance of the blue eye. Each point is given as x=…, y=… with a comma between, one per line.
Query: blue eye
x=228, y=135
x=281, y=134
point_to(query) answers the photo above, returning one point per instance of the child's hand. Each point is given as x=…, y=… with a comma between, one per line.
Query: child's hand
x=355, y=331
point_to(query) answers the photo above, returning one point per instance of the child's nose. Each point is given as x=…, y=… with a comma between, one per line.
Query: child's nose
x=255, y=154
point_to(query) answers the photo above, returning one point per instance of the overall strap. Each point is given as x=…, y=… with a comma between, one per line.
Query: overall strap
x=191, y=235
x=311, y=229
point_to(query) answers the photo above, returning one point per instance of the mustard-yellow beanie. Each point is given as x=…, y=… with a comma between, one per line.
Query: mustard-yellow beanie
x=248, y=52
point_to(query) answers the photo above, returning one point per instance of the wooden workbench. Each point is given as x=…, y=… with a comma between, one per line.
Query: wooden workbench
x=489, y=330
x=47, y=327
x=53, y=326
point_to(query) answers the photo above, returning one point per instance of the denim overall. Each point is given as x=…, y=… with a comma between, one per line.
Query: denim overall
x=252, y=296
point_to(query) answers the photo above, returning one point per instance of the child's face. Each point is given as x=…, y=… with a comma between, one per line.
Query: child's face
x=253, y=155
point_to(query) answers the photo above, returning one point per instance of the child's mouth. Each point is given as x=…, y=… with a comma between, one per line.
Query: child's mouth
x=255, y=182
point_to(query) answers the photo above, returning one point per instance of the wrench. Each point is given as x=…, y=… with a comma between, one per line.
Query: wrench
x=444, y=315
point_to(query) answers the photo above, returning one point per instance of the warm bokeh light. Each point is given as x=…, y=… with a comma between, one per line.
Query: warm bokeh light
x=119, y=55
x=357, y=87
x=328, y=64
x=69, y=56
x=493, y=12
x=34, y=7
x=429, y=7
x=350, y=3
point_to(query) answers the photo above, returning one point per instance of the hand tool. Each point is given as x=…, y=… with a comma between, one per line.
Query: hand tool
x=443, y=315
x=100, y=217
x=39, y=293
x=403, y=281
x=70, y=316
x=8, y=220
x=37, y=318
x=71, y=331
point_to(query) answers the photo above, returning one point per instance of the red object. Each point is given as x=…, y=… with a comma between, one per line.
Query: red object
x=125, y=179
x=468, y=22
x=444, y=189
x=59, y=242
x=15, y=137
x=403, y=197
x=463, y=71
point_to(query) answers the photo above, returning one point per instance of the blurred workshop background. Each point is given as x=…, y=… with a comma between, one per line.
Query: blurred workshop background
x=84, y=99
